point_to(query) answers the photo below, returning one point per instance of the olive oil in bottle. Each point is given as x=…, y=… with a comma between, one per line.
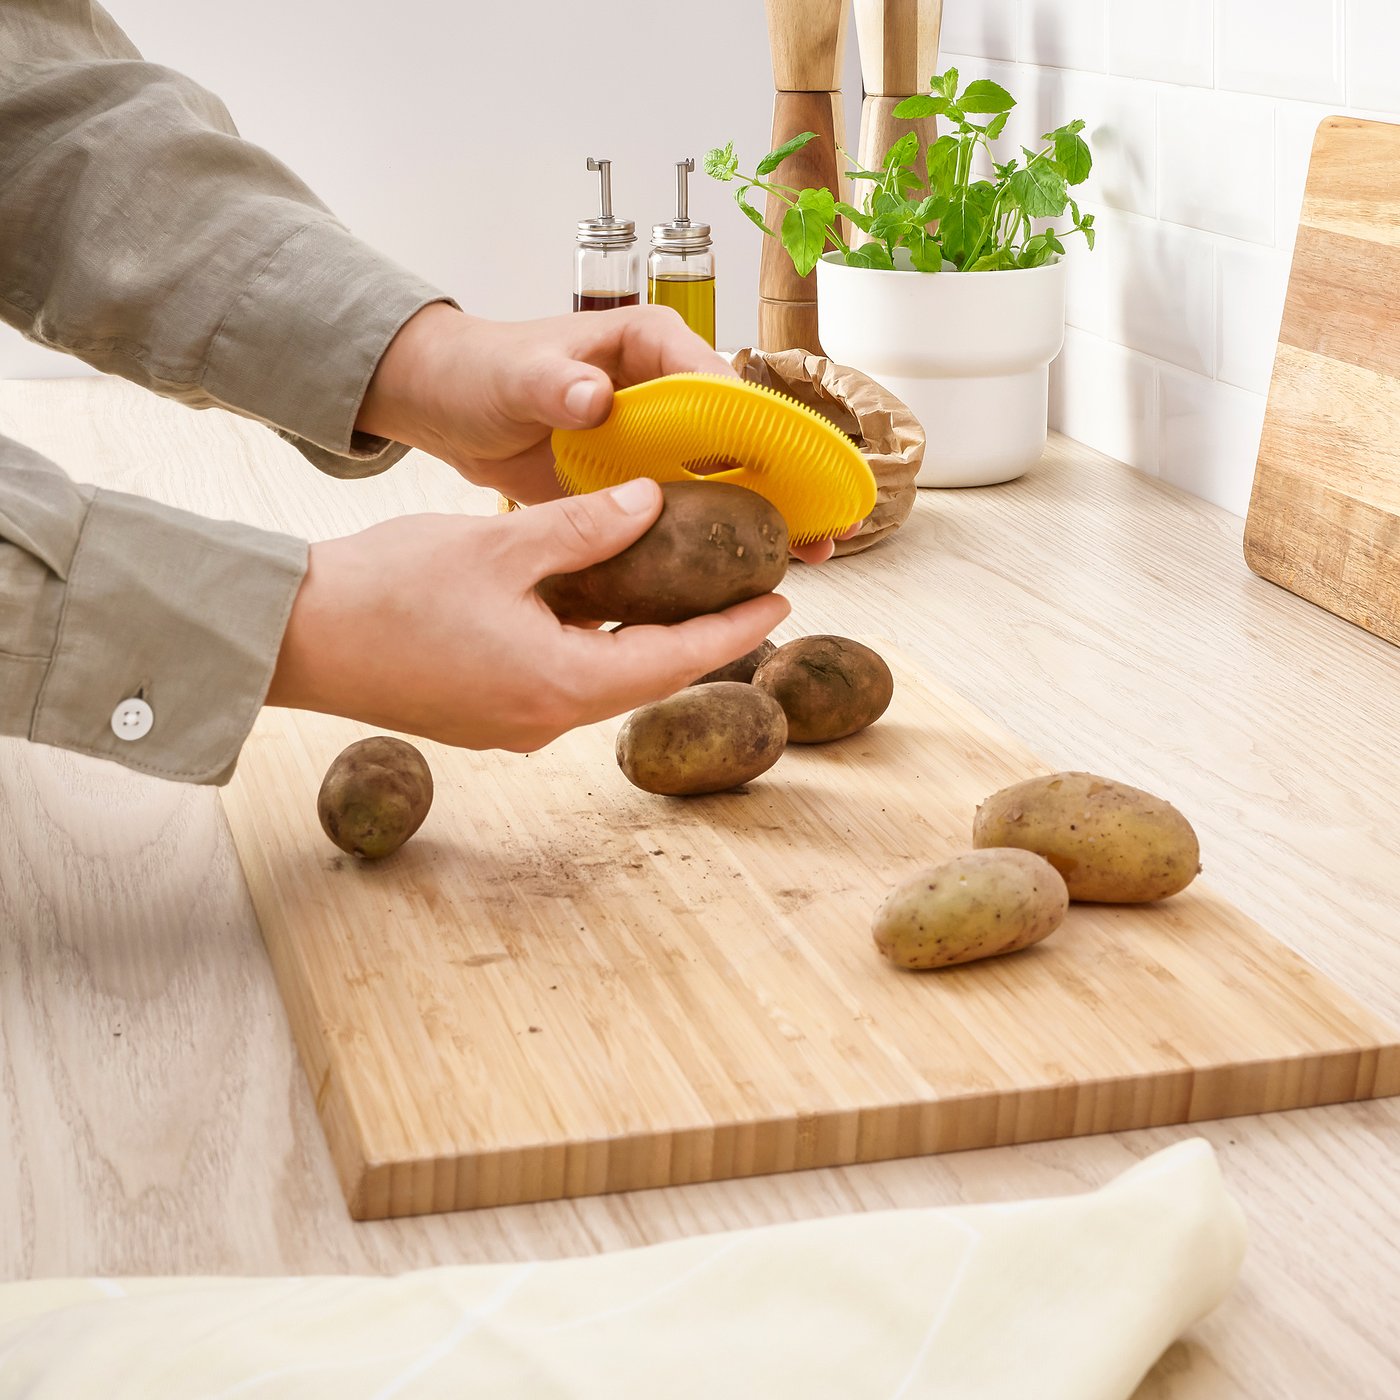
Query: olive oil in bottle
x=681, y=267
x=607, y=270
x=693, y=297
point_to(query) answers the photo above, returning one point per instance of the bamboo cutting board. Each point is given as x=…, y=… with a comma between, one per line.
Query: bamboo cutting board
x=1324, y=517
x=564, y=986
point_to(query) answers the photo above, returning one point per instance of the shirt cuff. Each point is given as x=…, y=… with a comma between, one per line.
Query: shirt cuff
x=299, y=346
x=179, y=612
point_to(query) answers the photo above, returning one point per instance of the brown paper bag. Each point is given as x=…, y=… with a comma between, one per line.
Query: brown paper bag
x=885, y=431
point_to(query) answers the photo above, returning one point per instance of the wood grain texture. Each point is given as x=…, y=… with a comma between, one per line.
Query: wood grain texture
x=880, y=129
x=815, y=166
x=898, y=45
x=807, y=41
x=1102, y=617
x=1324, y=516
x=788, y=325
x=564, y=986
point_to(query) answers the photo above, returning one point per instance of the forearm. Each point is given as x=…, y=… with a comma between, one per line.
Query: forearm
x=143, y=235
x=107, y=599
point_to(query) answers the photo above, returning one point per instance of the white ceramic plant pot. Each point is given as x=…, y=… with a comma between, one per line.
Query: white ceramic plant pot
x=969, y=352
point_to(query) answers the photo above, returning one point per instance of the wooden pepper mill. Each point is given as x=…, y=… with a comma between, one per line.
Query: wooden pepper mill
x=898, y=54
x=807, y=39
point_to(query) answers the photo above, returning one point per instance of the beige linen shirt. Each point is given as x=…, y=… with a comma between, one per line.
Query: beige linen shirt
x=140, y=233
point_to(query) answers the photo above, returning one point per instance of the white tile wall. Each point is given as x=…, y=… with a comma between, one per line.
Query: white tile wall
x=1373, y=54
x=1201, y=116
x=1291, y=48
x=1215, y=162
x=1170, y=43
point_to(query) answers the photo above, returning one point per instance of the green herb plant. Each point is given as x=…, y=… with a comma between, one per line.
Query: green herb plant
x=927, y=201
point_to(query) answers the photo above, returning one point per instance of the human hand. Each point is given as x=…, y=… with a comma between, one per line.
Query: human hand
x=430, y=625
x=485, y=396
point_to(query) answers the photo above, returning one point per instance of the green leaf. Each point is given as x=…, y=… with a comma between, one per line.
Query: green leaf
x=907, y=180
x=964, y=226
x=774, y=159
x=892, y=225
x=885, y=201
x=1039, y=190
x=861, y=221
x=997, y=260
x=804, y=228
x=1072, y=156
x=934, y=207
x=857, y=174
x=916, y=108
x=996, y=126
x=942, y=160
x=1003, y=172
x=904, y=151
x=924, y=252
x=986, y=96
x=870, y=255
x=721, y=162
x=749, y=211
x=947, y=84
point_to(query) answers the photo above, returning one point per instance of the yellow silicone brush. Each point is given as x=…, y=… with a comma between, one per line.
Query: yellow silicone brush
x=708, y=426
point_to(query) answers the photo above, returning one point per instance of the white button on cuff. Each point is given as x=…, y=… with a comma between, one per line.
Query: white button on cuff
x=132, y=719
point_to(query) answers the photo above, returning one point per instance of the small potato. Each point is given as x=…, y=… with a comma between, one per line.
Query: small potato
x=706, y=738
x=743, y=669
x=375, y=796
x=829, y=687
x=713, y=545
x=977, y=905
x=1114, y=844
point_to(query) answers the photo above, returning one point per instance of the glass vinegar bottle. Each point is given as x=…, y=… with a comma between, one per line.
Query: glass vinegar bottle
x=681, y=266
x=607, y=264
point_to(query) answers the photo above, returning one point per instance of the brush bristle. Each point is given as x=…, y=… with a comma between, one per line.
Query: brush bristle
x=785, y=451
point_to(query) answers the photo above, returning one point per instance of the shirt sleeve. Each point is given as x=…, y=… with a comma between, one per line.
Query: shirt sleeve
x=143, y=235
x=108, y=599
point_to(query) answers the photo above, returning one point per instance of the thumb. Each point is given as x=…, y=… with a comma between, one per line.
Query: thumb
x=566, y=394
x=565, y=535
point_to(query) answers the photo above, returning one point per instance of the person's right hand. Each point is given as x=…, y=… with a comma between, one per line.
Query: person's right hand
x=430, y=625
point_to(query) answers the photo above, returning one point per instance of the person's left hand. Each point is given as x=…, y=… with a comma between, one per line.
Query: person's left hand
x=484, y=396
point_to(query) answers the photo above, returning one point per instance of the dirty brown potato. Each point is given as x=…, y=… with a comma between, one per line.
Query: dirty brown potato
x=743, y=669
x=706, y=738
x=713, y=545
x=375, y=796
x=829, y=687
x=977, y=905
x=1114, y=844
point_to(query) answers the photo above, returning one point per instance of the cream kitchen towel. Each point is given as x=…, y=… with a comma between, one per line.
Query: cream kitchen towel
x=1067, y=1299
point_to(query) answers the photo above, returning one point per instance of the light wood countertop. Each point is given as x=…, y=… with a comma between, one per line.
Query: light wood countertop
x=153, y=1115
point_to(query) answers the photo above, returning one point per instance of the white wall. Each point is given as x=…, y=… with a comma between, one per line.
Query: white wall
x=452, y=134
x=1201, y=117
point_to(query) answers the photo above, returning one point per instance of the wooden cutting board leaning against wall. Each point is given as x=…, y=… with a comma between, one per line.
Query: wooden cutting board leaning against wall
x=1324, y=518
x=564, y=986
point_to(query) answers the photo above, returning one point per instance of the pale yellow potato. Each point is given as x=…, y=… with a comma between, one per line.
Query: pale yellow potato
x=978, y=905
x=1114, y=844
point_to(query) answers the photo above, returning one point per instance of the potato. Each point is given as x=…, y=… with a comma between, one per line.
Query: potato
x=705, y=738
x=375, y=796
x=713, y=545
x=1114, y=844
x=829, y=687
x=742, y=669
x=977, y=905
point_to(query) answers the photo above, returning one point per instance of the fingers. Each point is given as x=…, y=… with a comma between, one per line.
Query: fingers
x=564, y=535
x=637, y=343
x=818, y=552
x=634, y=666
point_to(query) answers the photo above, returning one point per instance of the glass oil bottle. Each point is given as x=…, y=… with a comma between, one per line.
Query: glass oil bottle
x=681, y=266
x=607, y=264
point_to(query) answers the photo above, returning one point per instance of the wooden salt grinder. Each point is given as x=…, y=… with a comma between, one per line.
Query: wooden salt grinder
x=807, y=40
